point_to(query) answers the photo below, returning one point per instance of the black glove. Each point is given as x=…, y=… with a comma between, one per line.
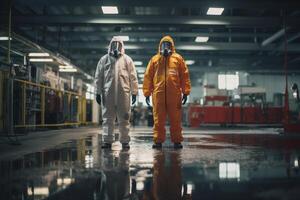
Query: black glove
x=148, y=101
x=184, y=99
x=98, y=99
x=133, y=97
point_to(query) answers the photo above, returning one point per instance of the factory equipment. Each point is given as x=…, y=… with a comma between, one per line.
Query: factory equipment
x=44, y=99
x=253, y=104
x=252, y=96
x=246, y=105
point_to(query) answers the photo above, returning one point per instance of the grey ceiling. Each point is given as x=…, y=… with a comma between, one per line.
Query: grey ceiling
x=80, y=31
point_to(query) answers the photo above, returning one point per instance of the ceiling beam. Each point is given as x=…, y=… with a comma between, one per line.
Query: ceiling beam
x=150, y=20
x=274, y=37
x=188, y=46
x=76, y=34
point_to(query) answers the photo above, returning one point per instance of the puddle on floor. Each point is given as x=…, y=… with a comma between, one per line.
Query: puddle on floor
x=208, y=167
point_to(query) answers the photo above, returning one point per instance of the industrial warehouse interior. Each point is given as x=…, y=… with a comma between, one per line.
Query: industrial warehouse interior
x=139, y=99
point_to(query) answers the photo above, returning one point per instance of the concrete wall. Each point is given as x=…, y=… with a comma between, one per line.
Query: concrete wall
x=272, y=83
x=210, y=78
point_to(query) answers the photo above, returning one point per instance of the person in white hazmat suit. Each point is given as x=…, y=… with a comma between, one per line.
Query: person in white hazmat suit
x=115, y=80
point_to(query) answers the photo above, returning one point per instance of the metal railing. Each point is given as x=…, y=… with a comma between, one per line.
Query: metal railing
x=38, y=105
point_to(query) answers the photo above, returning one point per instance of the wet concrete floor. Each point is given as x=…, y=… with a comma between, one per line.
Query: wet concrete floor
x=210, y=166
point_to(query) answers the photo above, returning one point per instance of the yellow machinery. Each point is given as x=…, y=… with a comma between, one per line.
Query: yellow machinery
x=79, y=116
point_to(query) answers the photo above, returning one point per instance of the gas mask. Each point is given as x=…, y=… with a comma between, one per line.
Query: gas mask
x=165, y=49
x=115, y=49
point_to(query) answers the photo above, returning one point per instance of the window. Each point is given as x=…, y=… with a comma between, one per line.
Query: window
x=229, y=170
x=228, y=81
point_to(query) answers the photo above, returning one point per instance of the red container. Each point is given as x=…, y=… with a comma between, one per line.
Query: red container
x=233, y=115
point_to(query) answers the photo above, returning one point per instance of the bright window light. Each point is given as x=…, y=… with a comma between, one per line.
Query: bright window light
x=190, y=187
x=110, y=9
x=68, y=70
x=122, y=37
x=215, y=11
x=138, y=63
x=187, y=189
x=296, y=163
x=201, y=39
x=65, y=67
x=229, y=170
x=41, y=59
x=228, y=81
x=89, y=161
x=4, y=38
x=189, y=62
x=139, y=185
x=38, y=54
x=64, y=181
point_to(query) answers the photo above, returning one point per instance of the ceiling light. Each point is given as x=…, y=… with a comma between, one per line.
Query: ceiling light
x=38, y=191
x=4, y=38
x=110, y=9
x=138, y=63
x=189, y=62
x=68, y=70
x=215, y=11
x=201, y=39
x=38, y=54
x=41, y=59
x=65, y=67
x=123, y=37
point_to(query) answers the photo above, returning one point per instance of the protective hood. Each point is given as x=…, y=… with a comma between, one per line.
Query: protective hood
x=116, y=39
x=167, y=39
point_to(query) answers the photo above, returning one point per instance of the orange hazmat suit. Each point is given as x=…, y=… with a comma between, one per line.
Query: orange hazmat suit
x=166, y=79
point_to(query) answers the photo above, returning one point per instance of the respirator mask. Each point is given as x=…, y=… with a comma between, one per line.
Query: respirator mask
x=115, y=49
x=165, y=49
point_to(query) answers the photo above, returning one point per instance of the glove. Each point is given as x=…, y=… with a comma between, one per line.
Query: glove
x=148, y=101
x=133, y=97
x=184, y=99
x=98, y=99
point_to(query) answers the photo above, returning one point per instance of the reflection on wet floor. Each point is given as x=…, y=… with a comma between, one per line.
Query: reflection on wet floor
x=209, y=167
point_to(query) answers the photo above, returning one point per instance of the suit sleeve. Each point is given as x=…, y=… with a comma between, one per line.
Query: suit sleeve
x=148, y=79
x=99, y=78
x=134, y=87
x=185, y=78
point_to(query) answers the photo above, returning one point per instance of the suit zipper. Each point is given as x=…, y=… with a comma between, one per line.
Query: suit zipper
x=166, y=82
x=116, y=83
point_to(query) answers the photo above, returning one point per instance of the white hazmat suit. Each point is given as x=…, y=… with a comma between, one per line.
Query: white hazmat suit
x=115, y=79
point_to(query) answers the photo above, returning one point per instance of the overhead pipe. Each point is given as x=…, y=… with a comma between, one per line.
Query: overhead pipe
x=274, y=37
x=59, y=58
x=294, y=37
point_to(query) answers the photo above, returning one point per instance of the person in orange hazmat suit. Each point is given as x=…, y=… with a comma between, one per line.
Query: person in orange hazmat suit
x=167, y=80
